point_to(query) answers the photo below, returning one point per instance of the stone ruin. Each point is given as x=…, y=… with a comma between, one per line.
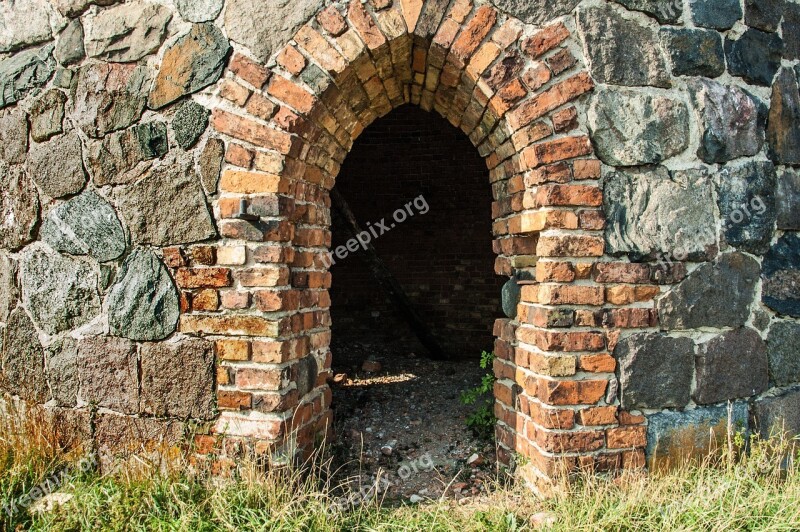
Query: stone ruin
x=165, y=213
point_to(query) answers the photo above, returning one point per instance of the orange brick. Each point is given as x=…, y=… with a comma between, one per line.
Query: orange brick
x=275, y=300
x=625, y=295
x=234, y=400
x=249, y=131
x=332, y=21
x=592, y=220
x=473, y=34
x=565, y=119
x=600, y=363
x=292, y=60
x=562, y=393
x=205, y=301
x=291, y=94
x=268, y=379
x=627, y=437
x=562, y=341
x=565, y=442
x=320, y=50
x=598, y=415
x=554, y=97
x=536, y=76
x=203, y=277
x=545, y=40
x=250, y=71
x=239, y=155
x=627, y=418
x=232, y=349
x=173, y=257
x=556, y=150
x=365, y=26
x=265, y=276
x=234, y=300
x=570, y=246
x=569, y=195
x=586, y=169
x=550, y=418
x=554, y=272
x=559, y=294
x=261, y=107
x=249, y=182
x=508, y=33
x=232, y=325
x=233, y=92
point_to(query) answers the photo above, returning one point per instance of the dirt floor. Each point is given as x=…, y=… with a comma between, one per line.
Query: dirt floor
x=400, y=425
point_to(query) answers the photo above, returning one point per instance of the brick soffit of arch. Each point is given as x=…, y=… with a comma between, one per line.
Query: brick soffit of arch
x=509, y=88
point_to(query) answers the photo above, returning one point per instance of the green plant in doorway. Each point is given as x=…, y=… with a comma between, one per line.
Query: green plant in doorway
x=482, y=420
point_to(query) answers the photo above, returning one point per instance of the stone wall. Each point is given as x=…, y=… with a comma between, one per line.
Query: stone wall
x=160, y=276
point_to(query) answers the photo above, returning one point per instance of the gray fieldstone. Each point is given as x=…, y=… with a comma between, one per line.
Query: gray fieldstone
x=694, y=52
x=665, y=11
x=716, y=14
x=167, y=206
x=13, y=136
x=108, y=370
x=56, y=166
x=143, y=302
x=746, y=199
x=123, y=157
x=264, y=27
x=210, y=164
x=674, y=437
x=127, y=32
x=650, y=213
x=755, y=56
x=19, y=207
x=732, y=121
x=69, y=47
x=178, y=379
x=778, y=414
x=536, y=11
x=47, y=115
x=783, y=129
x=781, y=275
x=763, y=14
x=23, y=359
x=655, y=371
x=631, y=128
x=189, y=123
x=790, y=29
x=85, y=225
x=117, y=438
x=717, y=294
x=199, y=10
x=510, y=293
x=23, y=72
x=26, y=22
x=783, y=345
x=192, y=62
x=108, y=97
x=62, y=371
x=622, y=51
x=731, y=366
x=788, y=199
x=304, y=375
x=9, y=290
x=60, y=292
x=73, y=8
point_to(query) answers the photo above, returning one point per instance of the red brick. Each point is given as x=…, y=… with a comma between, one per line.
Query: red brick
x=292, y=60
x=232, y=325
x=536, y=76
x=599, y=363
x=473, y=34
x=270, y=379
x=626, y=418
x=206, y=300
x=586, y=169
x=565, y=119
x=234, y=400
x=238, y=155
x=562, y=341
x=556, y=150
x=173, y=257
x=365, y=26
x=291, y=94
x=233, y=300
x=621, y=272
x=592, y=220
x=559, y=294
x=570, y=246
x=264, y=276
x=561, y=272
x=203, y=255
x=203, y=277
x=598, y=415
x=332, y=21
x=249, y=131
x=626, y=437
x=250, y=71
x=276, y=300
x=561, y=61
x=545, y=40
x=550, y=418
x=261, y=107
x=553, y=98
x=566, y=442
x=562, y=393
x=569, y=195
x=625, y=295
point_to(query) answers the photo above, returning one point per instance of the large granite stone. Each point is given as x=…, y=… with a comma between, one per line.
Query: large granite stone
x=69, y=47
x=622, y=50
x=732, y=121
x=536, y=11
x=13, y=136
x=167, y=206
x=62, y=371
x=777, y=415
x=755, y=56
x=783, y=345
x=127, y=32
x=189, y=123
x=675, y=437
x=788, y=198
x=651, y=213
x=24, y=71
x=790, y=29
x=85, y=225
x=781, y=275
x=26, y=22
x=108, y=370
x=199, y=10
x=731, y=366
x=119, y=438
x=56, y=166
x=194, y=61
x=60, y=292
x=22, y=359
x=763, y=14
x=264, y=27
x=108, y=97
x=783, y=130
x=47, y=115
x=631, y=128
x=746, y=200
x=716, y=14
x=666, y=12
x=717, y=294
x=694, y=52
x=178, y=379
x=19, y=207
x=655, y=371
x=143, y=302
x=123, y=157
x=210, y=164
x=9, y=289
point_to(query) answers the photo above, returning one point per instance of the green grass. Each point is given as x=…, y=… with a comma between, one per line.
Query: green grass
x=752, y=492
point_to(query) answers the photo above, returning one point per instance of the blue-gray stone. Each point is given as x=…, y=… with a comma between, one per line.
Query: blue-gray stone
x=694, y=52
x=781, y=276
x=665, y=11
x=715, y=14
x=747, y=206
x=755, y=56
x=783, y=130
x=778, y=414
x=783, y=345
x=24, y=71
x=788, y=200
x=763, y=14
x=731, y=366
x=510, y=298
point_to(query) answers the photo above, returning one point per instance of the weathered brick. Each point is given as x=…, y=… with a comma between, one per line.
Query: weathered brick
x=559, y=294
x=234, y=92
x=545, y=40
x=565, y=119
x=234, y=300
x=473, y=33
x=263, y=276
x=233, y=325
x=561, y=61
x=569, y=195
x=332, y=21
x=261, y=107
x=292, y=60
x=560, y=392
x=269, y=379
x=238, y=155
x=203, y=277
x=621, y=272
x=566, y=442
x=554, y=97
x=556, y=150
x=562, y=341
x=365, y=26
x=560, y=272
x=291, y=94
x=249, y=131
x=250, y=71
x=250, y=182
x=570, y=246
x=625, y=295
x=626, y=437
x=206, y=300
x=598, y=415
x=234, y=400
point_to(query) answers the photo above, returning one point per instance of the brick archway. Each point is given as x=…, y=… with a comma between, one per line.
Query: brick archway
x=290, y=124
